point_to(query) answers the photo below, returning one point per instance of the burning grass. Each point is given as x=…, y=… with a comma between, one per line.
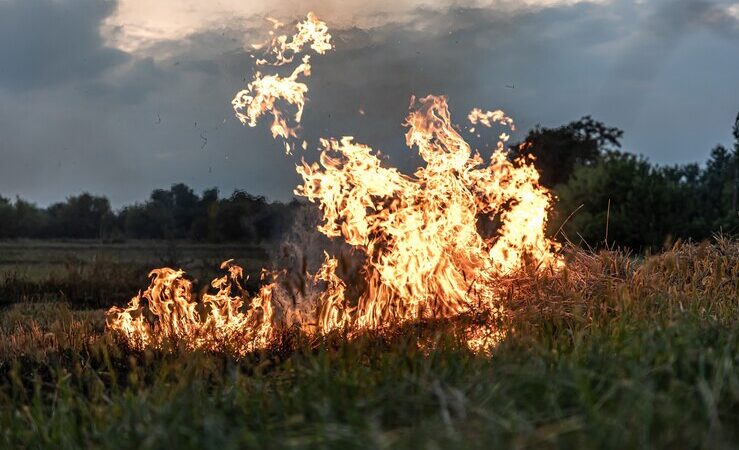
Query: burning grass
x=449, y=336
x=614, y=351
x=423, y=253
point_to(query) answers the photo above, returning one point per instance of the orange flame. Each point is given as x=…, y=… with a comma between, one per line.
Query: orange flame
x=217, y=324
x=426, y=255
x=264, y=91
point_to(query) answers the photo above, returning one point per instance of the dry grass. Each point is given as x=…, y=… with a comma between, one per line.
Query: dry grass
x=38, y=330
x=615, y=351
x=89, y=274
x=697, y=278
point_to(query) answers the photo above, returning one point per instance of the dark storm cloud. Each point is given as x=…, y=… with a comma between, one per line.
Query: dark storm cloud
x=533, y=64
x=664, y=29
x=47, y=42
x=77, y=115
x=671, y=75
x=129, y=83
x=65, y=101
x=680, y=16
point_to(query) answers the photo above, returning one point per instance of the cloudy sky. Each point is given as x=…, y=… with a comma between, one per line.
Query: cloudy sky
x=120, y=97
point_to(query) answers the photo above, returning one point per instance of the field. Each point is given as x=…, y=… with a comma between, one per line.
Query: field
x=614, y=351
x=87, y=274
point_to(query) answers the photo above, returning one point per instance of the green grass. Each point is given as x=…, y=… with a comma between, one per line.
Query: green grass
x=610, y=353
x=90, y=274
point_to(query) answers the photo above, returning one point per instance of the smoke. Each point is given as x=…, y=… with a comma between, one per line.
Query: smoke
x=298, y=258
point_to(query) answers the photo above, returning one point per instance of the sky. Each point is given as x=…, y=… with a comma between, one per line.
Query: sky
x=117, y=98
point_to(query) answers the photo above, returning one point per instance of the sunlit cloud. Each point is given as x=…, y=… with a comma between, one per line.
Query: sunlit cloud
x=733, y=10
x=143, y=26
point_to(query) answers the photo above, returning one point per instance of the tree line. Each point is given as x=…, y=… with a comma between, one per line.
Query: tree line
x=174, y=213
x=607, y=196
x=604, y=196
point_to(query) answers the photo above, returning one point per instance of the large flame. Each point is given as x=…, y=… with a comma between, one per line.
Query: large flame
x=425, y=253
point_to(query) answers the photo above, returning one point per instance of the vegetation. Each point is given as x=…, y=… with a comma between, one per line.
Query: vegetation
x=90, y=274
x=175, y=213
x=609, y=353
x=643, y=206
x=620, y=349
x=605, y=194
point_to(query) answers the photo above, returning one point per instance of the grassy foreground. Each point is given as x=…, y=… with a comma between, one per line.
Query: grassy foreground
x=609, y=353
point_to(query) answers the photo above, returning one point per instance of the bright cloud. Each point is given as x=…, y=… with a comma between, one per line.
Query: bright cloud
x=141, y=25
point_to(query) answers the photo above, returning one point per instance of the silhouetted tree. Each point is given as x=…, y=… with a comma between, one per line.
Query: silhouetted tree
x=718, y=184
x=648, y=205
x=184, y=210
x=559, y=150
x=80, y=217
x=30, y=220
x=203, y=225
x=735, y=188
x=7, y=219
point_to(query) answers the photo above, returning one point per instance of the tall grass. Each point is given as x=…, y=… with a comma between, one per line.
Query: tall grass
x=613, y=352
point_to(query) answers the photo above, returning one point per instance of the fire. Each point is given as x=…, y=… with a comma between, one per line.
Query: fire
x=425, y=257
x=263, y=93
x=488, y=118
x=219, y=323
x=426, y=253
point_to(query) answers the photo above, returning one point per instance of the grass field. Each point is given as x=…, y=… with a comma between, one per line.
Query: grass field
x=613, y=352
x=88, y=274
